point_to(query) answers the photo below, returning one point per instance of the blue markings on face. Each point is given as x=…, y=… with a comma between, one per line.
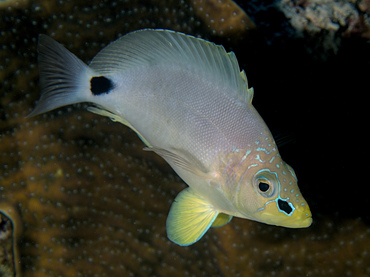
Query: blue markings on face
x=285, y=206
x=259, y=158
x=100, y=85
x=265, y=150
x=246, y=154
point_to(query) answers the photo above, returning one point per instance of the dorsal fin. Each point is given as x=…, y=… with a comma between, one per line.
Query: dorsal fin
x=148, y=47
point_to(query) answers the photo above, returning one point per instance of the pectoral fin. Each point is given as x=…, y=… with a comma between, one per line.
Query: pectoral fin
x=182, y=159
x=190, y=217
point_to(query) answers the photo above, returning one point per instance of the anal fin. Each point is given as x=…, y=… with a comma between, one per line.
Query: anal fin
x=190, y=217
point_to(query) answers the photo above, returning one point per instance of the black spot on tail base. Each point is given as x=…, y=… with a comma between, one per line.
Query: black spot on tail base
x=100, y=85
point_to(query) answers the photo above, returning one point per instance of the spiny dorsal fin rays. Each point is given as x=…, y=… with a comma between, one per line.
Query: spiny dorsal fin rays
x=248, y=97
x=148, y=47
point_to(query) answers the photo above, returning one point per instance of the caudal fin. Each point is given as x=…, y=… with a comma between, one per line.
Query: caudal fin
x=64, y=79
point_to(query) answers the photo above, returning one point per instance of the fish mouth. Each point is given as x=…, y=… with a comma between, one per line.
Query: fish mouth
x=298, y=223
x=270, y=214
x=307, y=222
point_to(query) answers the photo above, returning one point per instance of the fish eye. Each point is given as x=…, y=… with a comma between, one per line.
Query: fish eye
x=265, y=183
x=263, y=186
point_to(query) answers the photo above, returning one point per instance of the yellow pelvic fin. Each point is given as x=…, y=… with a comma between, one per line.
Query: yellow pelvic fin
x=221, y=220
x=190, y=217
x=116, y=118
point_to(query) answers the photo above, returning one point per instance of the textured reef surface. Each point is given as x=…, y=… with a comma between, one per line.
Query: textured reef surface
x=79, y=197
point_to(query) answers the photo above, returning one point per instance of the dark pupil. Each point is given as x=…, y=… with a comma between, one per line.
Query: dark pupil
x=263, y=186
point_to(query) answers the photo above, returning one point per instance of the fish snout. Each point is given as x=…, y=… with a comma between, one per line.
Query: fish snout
x=301, y=217
x=282, y=213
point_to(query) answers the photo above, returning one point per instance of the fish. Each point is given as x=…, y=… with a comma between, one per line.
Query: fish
x=189, y=102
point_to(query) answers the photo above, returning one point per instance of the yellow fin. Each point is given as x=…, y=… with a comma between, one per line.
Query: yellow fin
x=190, y=217
x=221, y=220
x=116, y=118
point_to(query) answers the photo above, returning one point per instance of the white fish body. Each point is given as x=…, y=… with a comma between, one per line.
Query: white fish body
x=188, y=101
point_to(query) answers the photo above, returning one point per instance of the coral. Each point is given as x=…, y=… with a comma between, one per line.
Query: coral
x=364, y=25
x=92, y=203
x=13, y=3
x=224, y=18
x=314, y=16
x=9, y=236
x=331, y=18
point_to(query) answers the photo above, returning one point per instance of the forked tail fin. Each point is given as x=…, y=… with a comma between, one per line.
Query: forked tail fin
x=64, y=78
